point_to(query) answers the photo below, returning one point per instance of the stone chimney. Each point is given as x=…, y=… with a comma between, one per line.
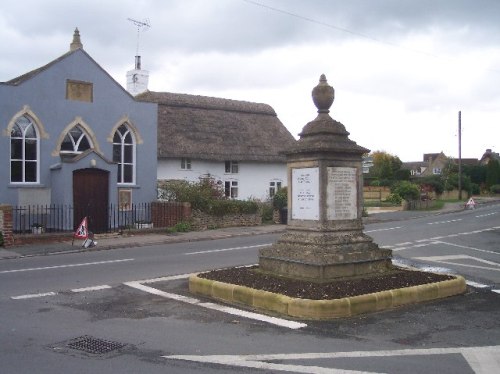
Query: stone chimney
x=76, y=43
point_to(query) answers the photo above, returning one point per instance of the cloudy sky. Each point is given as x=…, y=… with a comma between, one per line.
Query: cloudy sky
x=401, y=69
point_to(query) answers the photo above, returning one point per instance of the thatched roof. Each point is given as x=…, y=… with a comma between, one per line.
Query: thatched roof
x=208, y=128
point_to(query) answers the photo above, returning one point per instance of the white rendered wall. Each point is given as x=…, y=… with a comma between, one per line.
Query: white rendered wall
x=253, y=177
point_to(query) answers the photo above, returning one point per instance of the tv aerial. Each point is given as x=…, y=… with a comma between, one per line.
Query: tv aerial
x=141, y=25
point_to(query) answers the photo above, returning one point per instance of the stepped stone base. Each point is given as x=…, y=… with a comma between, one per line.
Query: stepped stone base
x=325, y=254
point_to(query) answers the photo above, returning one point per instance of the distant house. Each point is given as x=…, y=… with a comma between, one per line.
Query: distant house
x=236, y=143
x=488, y=156
x=434, y=164
x=71, y=135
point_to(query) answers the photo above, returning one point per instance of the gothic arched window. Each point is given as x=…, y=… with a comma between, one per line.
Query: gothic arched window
x=124, y=154
x=24, y=151
x=75, y=142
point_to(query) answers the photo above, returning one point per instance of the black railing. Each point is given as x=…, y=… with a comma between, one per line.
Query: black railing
x=61, y=218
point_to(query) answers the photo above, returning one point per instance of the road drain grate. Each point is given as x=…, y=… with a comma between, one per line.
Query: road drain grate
x=93, y=345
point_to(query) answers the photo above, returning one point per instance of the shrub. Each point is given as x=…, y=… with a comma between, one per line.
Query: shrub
x=280, y=198
x=407, y=190
x=1, y=238
x=394, y=198
x=495, y=188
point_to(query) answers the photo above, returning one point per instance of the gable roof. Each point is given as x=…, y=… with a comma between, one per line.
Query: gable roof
x=31, y=74
x=209, y=128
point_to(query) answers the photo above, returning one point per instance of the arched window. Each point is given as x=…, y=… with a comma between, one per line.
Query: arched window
x=75, y=142
x=124, y=154
x=24, y=151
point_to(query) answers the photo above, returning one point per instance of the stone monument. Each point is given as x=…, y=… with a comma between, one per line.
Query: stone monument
x=324, y=238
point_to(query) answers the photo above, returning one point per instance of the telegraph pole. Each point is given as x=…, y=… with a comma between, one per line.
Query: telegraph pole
x=459, y=155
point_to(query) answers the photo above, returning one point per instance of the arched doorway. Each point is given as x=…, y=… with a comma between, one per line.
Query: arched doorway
x=91, y=198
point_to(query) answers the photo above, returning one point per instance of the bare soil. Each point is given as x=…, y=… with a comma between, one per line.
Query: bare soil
x=251, y=277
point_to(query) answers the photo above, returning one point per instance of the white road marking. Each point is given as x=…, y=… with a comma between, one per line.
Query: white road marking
x=482, y=360
x=441, y=222
x=476, y=285
x=221, y=308
x=486, y=215
x=448, y=260
x=94, y=288
x=65, y=266
x=33, y=296
x=227, y=249
x=466, y=247
x=388, y=229
x=496, y=291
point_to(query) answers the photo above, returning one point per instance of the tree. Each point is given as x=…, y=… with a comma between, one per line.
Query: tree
x=407, y=190
x=385, y=166
x=492, y=173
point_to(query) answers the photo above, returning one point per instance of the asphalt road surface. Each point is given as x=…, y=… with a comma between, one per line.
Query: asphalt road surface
x=129, y=311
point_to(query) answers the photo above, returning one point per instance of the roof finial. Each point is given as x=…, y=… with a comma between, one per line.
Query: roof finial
x=76, y=43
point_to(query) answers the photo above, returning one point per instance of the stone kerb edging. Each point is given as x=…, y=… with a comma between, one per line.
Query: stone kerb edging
x=325, y=309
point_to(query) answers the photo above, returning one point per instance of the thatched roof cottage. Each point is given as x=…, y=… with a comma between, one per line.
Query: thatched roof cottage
x=237, y=143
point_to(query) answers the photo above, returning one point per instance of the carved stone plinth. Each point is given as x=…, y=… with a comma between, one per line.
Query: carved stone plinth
x=324, y=239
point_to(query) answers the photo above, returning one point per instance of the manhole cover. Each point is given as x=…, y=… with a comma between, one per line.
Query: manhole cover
x=93, y=345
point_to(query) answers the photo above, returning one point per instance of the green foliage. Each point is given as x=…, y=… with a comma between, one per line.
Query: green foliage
x=221, y=207
x=280, y=198
x=267, y=212
x=1, y=238
x=475, y=189
x=495, y=188
x=394, y=198
x=492, y=173
x=476, y=173
x=407, y=190
x=385, y=166
x=180, y=227
x=435, y=182
x=199, y=194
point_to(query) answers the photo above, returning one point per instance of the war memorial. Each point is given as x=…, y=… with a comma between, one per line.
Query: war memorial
x=324, y=266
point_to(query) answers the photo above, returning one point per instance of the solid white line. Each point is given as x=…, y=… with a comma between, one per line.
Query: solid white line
x=496, y=291
x=94, y=288
x=466, y=247
x=221, y=308
x=480, y=359
x=476, y=285
x=65, y=266
x=227, y=249
x=33, y=296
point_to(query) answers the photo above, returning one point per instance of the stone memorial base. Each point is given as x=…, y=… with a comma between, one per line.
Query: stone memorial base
x=325, y=254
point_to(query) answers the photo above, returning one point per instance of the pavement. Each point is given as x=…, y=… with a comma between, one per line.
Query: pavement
x=137, y=239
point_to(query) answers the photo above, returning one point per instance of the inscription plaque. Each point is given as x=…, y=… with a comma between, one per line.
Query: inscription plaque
x=305, y=193
x=79, y=91
x=341, y=193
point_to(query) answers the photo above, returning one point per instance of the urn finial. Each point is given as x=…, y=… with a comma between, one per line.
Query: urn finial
x=323, y=95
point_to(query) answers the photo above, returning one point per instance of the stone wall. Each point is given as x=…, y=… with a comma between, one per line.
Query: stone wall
x=203, y=221
x=6, y=225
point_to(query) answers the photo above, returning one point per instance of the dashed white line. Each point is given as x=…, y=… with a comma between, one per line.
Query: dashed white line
x=227, y=249
x=441, y=222
x=65, y=266
x=388, y=229
x=88, y=289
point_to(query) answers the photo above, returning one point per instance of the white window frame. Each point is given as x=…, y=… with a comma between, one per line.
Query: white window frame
x=121, y=163
x=231, y=167
x=274, y=187
x=186, y=163
x=76, y=145
x=23, y=159
x=231, y=186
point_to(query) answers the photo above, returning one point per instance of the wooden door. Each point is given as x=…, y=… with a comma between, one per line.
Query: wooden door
x=91, y=198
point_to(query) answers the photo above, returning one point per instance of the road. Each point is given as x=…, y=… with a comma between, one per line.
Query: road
x=133, y=308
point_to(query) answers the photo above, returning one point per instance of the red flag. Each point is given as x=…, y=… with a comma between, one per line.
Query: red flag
x=82, y=232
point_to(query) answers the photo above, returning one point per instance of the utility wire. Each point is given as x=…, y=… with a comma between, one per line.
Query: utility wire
x=329, y=25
